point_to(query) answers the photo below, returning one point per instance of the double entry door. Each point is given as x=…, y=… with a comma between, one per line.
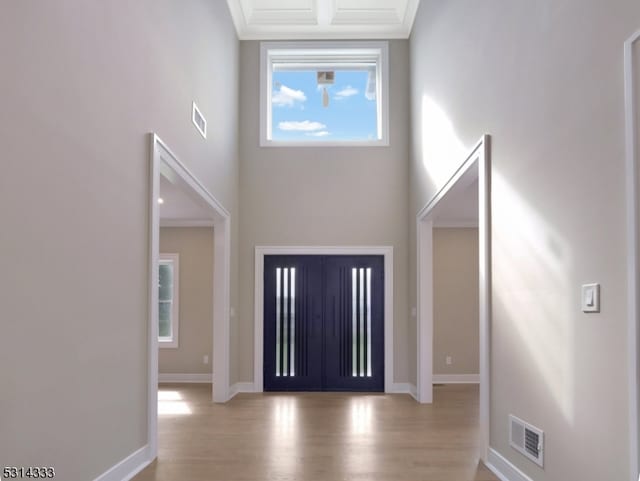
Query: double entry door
x=323, y=323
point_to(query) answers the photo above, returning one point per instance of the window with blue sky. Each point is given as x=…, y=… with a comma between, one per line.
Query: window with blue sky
x=304, y=110
x=322, y=94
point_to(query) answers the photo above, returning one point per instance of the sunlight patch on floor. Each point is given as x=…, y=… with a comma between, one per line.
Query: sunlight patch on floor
x=172, y=403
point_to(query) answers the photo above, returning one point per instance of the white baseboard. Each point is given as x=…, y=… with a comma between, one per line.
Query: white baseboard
x=192, y=378
x=239, y=387
x=413, y=390
x=503, y=469
x=456, y=378
x=402, y=388
x=396, y=388
x=128, y=467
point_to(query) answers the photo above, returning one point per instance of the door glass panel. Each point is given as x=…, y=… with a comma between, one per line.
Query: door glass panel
x=354, y=320
x=361, y=343
x=368, y=322
x=278, y=297
x=285, y=327
x=361, y=320
x=293, y=321
x=285, y=321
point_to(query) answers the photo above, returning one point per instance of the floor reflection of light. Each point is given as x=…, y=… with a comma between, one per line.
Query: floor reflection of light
x=169, y=396
x=363, y=452
x=284, y=443
x=361, y=416
x=286, y=417
x=171, y=403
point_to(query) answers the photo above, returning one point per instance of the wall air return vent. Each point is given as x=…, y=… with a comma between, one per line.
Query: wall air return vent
x=198, y=120
x=527, y=440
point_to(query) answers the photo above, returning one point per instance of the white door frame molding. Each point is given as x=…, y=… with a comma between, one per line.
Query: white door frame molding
x=260, y=252
x=164, y=162
x=633, y=249
x=475, y=166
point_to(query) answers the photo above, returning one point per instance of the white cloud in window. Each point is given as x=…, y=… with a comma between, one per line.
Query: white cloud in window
x=304, y=126
x=346, y=92
x=287, y=97
x=322, y=133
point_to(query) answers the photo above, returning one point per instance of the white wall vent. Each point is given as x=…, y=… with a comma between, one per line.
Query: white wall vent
x=198, y=120
x=527, y=440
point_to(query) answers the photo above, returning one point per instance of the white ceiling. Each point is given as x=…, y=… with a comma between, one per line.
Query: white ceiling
x=459, y=206
x=322, y=19
x=179, y=209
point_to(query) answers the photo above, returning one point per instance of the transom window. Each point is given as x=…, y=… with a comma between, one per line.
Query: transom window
x=324, y=93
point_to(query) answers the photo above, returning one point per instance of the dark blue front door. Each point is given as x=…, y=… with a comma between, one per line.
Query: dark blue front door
x=324, y=323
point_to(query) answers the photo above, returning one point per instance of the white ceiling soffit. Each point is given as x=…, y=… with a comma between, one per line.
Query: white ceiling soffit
x=322, y=19
x=178, y=208
x=459, y=208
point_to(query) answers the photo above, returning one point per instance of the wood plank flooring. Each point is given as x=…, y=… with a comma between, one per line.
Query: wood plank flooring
x=317, y=437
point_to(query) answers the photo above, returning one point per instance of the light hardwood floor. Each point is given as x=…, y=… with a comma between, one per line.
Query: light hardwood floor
x=317, y=437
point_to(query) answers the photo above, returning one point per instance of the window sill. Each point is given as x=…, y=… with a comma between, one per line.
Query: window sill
x=361, y=144
x=167, y=344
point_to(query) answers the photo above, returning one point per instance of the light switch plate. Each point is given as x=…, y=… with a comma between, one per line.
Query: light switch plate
x=591, y=298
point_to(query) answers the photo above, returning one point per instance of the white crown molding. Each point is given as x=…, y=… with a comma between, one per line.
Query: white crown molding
x=410, y=15
x=324, y=19
x=455, y=224
x=237, y=15
x=186, y=223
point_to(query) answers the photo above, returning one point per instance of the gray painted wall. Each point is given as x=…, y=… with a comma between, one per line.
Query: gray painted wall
x=195, y=248
x=83, y=83
x=545, y=79
x=455, y=301
x=323, y=196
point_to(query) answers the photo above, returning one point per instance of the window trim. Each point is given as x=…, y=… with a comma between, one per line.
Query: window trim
x=173, y=341
x=268, y=51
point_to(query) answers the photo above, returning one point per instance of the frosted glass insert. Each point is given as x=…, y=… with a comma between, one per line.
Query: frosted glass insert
x=278, y=297
x=293, y=321
x=285, y=321
x=369, y=322
x=354, y=320
x=361, y=322
x=285, y=328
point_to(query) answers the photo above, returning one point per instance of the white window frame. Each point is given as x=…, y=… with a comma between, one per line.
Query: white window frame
x=172, y=342
x=324, y=51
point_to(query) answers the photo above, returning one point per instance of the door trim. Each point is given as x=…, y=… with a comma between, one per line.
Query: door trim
x=633, y=250
x=261, y=251
x=164, y=162
x=476, y=166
